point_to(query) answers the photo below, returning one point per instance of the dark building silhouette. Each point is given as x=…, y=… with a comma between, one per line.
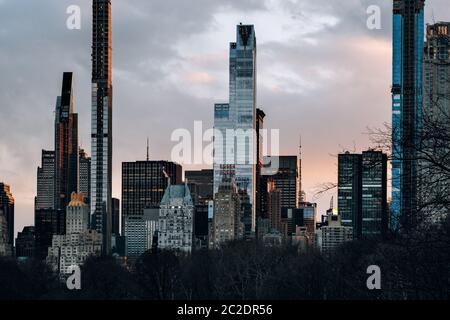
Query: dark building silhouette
x=101, y=130
x=26, y=243
x=115, y=229
x=201, y=185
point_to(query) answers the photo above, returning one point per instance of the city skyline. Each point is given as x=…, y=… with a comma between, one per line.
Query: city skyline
x=208, y=86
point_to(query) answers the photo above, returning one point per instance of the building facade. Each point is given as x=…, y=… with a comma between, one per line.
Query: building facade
x=7, y=207
x=333, y=234
x=85, y=175
x=227, y=221
x=101, y=126
x=45, y=198
x=79, y=242
x=176, y=220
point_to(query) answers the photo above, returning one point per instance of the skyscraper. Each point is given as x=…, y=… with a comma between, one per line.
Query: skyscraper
x=433, y=190
x=408, y=30
x=85, y=175
x=362, y=192
x=236, y=152
x=101, y=130
x=7, y=206
x=349, y=190
x=66, y=145
x=374, y=211
x=143, y=186
x=286, y=179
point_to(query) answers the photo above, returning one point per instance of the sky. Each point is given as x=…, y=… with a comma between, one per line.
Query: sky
x=322, y=74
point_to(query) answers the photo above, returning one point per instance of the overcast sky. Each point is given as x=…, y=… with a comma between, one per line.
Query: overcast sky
x=321, y=73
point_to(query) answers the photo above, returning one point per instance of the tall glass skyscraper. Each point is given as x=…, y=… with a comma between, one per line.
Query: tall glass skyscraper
x=66, y=145
x=408, y=36
x=101, y=130
x=237, y=120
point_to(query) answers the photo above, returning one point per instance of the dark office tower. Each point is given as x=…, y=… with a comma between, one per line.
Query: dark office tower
x=26, y=243
x=45, y=198
x=202, y=183
x=201, y=226
x=101, y=132
x=115, y=221
x=286, y=180
x=408, y=31
x=349, y=191
x=7, y=206
x=143, y=186
x=374, y=212
x=85, y=175
x=66, y=145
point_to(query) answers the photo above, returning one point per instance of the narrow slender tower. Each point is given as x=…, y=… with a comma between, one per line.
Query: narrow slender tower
x=101, y=133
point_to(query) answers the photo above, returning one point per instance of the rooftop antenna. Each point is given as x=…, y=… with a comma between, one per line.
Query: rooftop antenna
x=332, y=203
x=148, y=157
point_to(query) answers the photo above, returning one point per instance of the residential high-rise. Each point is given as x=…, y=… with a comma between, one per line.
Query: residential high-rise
x=236, y=150
x=176, y=219
x=66, y=145
x=101, y=127
x=362, y=192
x=26, y=243
x=143, y=186
x=45, y=198
x=227, y=221
x=408, y=31
x=85, y=175
x=7, y=207
x=333, y=234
